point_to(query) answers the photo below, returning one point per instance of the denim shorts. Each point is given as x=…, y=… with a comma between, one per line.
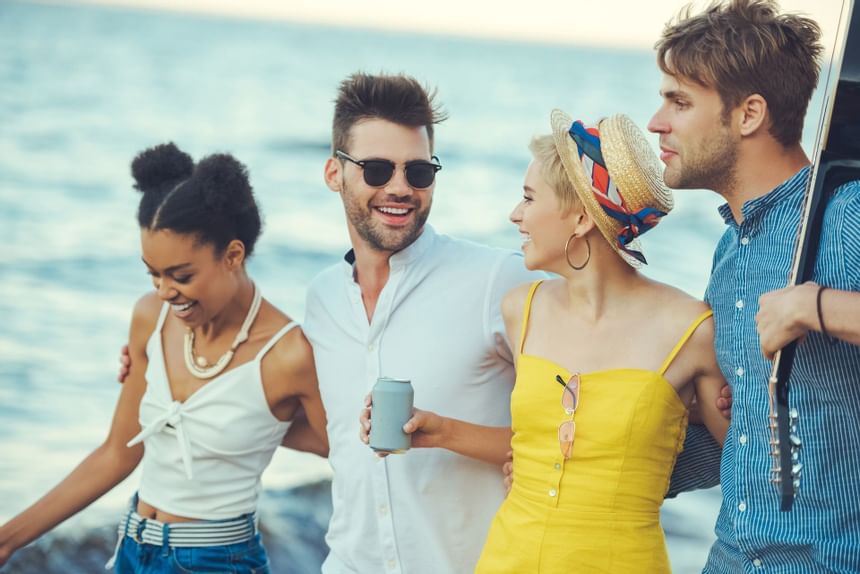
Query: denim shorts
x=242, y=558
x=146, y=546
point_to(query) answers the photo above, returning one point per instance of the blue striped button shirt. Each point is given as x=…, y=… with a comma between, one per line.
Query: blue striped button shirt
x=822, y=532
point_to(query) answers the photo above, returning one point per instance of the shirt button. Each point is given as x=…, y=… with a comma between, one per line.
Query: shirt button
x=745, y=240
x=552, y=492
x=740, y=371
x=757, y=563
x=370, y=347
x=742, y=506
x=742, y=439
x=383, y=509
x=557, y=466
x=739, y=304
x=391, y=564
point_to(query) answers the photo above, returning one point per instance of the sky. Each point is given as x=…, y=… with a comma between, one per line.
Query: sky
x=619, y=23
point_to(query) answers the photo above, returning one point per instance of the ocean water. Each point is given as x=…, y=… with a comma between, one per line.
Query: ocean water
x=85, y=88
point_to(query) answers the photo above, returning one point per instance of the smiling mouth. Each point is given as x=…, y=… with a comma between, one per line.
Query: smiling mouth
x=395, y=211
x=183, y=308
x=395, y=216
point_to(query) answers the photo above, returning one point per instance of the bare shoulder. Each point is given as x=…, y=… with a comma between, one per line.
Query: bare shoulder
x=675, y=312
x=703, y=337
x=514, y=301
x=677, y=303
x=293, y=348
x=147, y=308
x=685, y=311
x=291, y=359
x=144, y=317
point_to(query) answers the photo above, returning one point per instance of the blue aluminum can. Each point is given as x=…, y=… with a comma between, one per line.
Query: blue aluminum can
x=392, y=407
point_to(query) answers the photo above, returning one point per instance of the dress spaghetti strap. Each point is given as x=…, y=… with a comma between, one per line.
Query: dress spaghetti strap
x=687, y=334
x=275, y=338
x=526, y=312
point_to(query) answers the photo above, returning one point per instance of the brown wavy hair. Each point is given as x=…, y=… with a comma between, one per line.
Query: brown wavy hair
x=745, y=47
x=398, y=98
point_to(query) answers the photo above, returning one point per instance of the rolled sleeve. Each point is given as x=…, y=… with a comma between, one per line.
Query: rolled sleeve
x=698, y=466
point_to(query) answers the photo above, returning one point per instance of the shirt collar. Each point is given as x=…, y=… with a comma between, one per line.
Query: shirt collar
x=760, y=205
x=406, y=255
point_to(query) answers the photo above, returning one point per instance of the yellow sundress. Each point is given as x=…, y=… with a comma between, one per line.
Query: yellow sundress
x=598, y=511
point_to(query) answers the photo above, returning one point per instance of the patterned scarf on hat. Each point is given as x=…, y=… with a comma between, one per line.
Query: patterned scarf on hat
x=607, y=194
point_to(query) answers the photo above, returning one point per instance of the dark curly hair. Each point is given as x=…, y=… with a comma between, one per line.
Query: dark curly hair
x=212, y=200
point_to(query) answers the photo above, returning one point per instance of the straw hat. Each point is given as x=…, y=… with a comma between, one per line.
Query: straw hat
x=633, y=198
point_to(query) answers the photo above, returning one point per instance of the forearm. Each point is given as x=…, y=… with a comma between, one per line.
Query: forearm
x=698, y=465
x=96, y=475
x=489, y=444
x=716, y=424
x=840, y=311
x=302, y=436
x=809, y=307
x=708, y=391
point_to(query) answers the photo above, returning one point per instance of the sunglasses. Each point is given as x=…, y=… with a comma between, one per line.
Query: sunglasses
x=569, y=402
x=378, y=172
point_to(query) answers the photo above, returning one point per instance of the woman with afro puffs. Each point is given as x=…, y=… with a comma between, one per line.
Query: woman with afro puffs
x=217, y=375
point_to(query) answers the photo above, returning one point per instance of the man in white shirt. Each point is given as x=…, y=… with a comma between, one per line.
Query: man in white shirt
x=408, y=303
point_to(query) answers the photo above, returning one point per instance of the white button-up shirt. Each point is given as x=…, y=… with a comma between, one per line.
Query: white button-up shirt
x=437, y=323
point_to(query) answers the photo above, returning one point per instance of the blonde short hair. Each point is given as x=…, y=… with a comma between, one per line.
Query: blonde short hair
x=544, y=151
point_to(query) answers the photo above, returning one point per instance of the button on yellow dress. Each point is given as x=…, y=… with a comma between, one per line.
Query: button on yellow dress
x=598, y=511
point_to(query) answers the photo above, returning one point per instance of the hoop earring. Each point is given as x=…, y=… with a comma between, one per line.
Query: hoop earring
x=567, y=255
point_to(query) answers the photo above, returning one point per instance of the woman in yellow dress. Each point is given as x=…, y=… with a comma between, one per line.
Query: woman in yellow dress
x=608, y=362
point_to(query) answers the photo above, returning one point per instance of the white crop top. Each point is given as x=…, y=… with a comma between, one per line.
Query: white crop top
x=203, y=457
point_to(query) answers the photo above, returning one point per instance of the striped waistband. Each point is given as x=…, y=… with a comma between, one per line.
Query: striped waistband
x=187, y=534
x=182, y=534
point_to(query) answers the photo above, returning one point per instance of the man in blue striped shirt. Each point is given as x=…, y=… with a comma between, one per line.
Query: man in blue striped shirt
x=737, y=81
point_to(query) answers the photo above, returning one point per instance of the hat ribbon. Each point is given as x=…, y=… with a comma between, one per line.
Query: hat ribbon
x=607, y=194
